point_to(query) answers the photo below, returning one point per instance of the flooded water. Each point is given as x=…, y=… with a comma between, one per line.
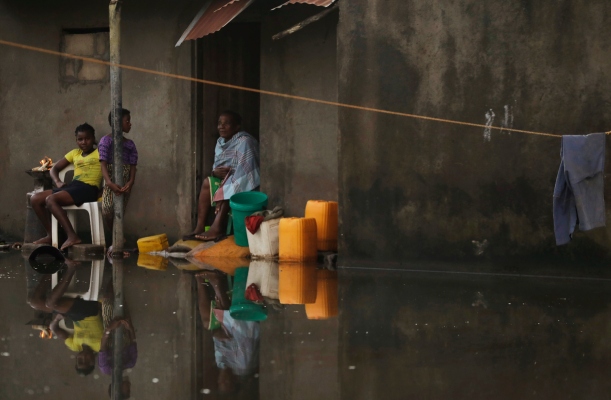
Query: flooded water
x=427, y=333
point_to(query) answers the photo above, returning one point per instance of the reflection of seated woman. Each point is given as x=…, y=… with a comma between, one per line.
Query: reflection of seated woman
x=236, y=343
x=235, y=170
x=86, y=316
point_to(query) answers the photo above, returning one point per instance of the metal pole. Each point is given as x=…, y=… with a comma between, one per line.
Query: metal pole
x=117, y=234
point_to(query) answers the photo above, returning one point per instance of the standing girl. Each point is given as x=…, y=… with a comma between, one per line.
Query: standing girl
x=84, y=187
x=130, y=160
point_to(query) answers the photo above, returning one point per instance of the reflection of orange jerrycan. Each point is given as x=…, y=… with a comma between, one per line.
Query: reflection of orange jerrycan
x=297, y=237
x=152, y=262
x=325, y=214
x=326, y=296
x=297, y=283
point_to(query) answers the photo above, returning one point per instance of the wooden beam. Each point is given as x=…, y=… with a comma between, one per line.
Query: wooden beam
x=304, y=23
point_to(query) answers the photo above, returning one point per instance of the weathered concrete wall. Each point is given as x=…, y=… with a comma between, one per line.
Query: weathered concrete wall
x=38, y=112
x=298, y=139
x=411, y=188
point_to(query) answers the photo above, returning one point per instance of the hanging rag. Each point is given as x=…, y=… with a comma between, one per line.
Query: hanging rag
x=277, y=212
x=253, y=222
x=578, y=195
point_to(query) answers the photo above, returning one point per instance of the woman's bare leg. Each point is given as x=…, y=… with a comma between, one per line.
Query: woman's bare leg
x=203, y=208
x=55, y=204
x=219, y=226
x=38, y=205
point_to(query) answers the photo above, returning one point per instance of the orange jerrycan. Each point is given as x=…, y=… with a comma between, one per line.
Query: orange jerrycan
x=325, y=214
x=297, y=239
x=326, y=304
x=153, y=243
x=297, y=283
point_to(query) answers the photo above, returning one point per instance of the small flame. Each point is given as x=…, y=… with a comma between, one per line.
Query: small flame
x=45, y=164
x=45, y=332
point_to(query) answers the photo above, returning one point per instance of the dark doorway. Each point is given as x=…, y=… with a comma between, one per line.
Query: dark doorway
x=231, y=56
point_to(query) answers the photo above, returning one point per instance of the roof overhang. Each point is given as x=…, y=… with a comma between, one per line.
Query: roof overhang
x=213, y=16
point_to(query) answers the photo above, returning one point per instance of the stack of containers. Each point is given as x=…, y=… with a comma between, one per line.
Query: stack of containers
x=300, y=240
x=326, y=303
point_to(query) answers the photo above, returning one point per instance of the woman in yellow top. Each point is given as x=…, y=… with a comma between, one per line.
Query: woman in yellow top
x=84, y=188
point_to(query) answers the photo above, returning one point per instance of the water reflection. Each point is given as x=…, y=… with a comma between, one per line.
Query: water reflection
x=357, y=334
x=85, y=315
x=129, y=352
x=236, y=342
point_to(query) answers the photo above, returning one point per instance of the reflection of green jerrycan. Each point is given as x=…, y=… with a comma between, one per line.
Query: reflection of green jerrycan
x=242, y=309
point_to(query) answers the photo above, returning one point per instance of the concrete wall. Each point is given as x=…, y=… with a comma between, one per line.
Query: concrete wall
x=410, y=188
x=298, y=139
x=39, y=111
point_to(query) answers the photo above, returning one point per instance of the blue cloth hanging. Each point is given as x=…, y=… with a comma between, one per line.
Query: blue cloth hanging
x=578, y=195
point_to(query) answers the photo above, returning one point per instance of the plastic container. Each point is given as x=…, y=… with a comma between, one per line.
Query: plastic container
x=153, y=243
x=297, y=283
x=297, y=239
x=264, y=243
x=242, y=205
x=326, y=216
x=264, y=274
x=149, y=261
x=242, y=309
x=326, y=304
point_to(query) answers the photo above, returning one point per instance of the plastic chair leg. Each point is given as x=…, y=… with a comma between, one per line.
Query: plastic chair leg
x=93, y=224
x=54, y=234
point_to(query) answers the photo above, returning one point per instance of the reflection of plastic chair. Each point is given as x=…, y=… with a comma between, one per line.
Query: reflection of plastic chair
x=95, y=217
x=95, y=282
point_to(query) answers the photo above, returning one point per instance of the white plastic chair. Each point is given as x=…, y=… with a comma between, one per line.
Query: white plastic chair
x=95, y=282
x=95, y=217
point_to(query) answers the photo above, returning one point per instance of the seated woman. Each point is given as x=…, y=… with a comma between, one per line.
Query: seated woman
x=84, y=187
x=235, y=170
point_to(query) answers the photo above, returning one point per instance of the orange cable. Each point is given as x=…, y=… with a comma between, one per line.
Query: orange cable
x=270, y=93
